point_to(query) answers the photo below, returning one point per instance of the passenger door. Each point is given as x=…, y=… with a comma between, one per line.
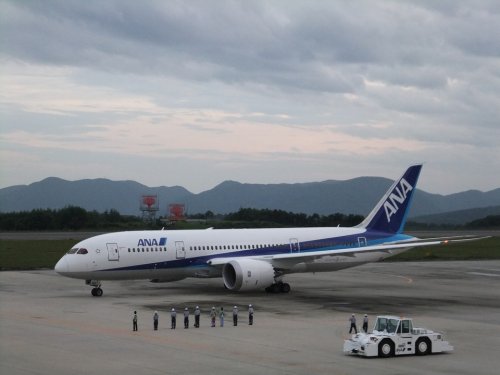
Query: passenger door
x=180, y=250
x=113, y=253
x=361, y=241
x=294, y=245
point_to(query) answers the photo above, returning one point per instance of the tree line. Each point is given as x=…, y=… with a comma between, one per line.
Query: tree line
x=291, y=219
x=77, y=218
x=68, y=218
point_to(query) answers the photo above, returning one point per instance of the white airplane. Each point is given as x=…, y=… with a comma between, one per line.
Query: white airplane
x=248, y=259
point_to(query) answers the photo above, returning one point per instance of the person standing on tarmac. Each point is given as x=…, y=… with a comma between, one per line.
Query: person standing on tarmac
x=213, y=315
x=365, y=323
x=197, y=313
x=221, y=316
x=250, y=315
x=155, y=320
x=352, y=319
x=235, y=316
x=134, y=321
x=173, y=318
x=186, y=318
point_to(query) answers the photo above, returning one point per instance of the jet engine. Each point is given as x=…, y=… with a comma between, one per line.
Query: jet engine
x=247, y=274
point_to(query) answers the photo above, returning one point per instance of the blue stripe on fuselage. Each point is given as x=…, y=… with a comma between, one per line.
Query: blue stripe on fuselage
x=324, y=244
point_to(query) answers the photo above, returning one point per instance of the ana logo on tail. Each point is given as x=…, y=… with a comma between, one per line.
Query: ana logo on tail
x=397, y=197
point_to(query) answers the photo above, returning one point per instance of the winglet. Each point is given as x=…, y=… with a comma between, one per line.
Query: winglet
x=389, y=215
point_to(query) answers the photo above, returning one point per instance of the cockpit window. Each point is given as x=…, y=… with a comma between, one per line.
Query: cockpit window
x=82, y=251
x=72, y=251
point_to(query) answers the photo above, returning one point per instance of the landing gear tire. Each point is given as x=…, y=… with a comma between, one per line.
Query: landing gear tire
x=97, y=292
x=278, y=288
x=285, y=288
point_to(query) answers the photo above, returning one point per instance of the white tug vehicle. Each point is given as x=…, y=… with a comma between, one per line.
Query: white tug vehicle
x=396, y=336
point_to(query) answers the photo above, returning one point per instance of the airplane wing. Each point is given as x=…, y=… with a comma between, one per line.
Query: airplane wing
x=288, y=260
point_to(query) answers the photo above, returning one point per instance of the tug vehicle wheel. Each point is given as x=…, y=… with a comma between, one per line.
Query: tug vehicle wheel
x=386, y=348
x=422, y=346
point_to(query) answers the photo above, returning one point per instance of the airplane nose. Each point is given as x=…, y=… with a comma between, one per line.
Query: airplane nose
x=62, y=266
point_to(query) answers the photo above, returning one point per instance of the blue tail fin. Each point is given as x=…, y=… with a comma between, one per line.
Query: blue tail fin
x=389, y=215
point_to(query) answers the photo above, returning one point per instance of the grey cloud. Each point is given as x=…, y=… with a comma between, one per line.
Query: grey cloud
x=436, y=63
x=231, y=41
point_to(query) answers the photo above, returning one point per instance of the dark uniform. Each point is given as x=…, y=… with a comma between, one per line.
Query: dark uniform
x=235, y=316
x=250, y=315
x=365, y=323
x=186, y=318
x=213, y=315
x=221, y=316
x=134, y=321
x=173, y=317
x=155, y=320
x=197, y=313
x=352, y=319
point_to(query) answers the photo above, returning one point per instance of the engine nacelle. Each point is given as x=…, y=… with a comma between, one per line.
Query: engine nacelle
x=247, y=274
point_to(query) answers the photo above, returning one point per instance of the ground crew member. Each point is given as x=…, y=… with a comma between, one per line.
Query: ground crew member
x=250, y=315
x=365, y=323
x=213, y=315
x=197, y=313
x=173, y=317
x=134, y=321
x=352, y=319
x=235, y=316
x=221, y=316
x=155, y=320
x=186, y=318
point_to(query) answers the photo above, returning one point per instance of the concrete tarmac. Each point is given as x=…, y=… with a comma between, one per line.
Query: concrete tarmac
x=52, y=325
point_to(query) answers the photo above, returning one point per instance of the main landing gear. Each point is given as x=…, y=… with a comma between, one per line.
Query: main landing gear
x=96, y=291
x=279, y=287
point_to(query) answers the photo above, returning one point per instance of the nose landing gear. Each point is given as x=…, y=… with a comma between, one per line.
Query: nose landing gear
x=96, y=291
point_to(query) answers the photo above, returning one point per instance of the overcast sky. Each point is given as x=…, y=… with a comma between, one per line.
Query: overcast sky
x=193, y=93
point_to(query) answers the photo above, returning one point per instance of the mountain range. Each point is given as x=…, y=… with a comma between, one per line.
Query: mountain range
x=355, y=196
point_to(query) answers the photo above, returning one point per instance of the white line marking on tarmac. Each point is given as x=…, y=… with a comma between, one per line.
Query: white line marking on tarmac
x=484, y=274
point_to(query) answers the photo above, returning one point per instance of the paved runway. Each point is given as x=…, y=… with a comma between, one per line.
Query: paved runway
x=51, y=325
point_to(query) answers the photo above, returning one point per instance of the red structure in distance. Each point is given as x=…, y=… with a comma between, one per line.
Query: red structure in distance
x=176, y=212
